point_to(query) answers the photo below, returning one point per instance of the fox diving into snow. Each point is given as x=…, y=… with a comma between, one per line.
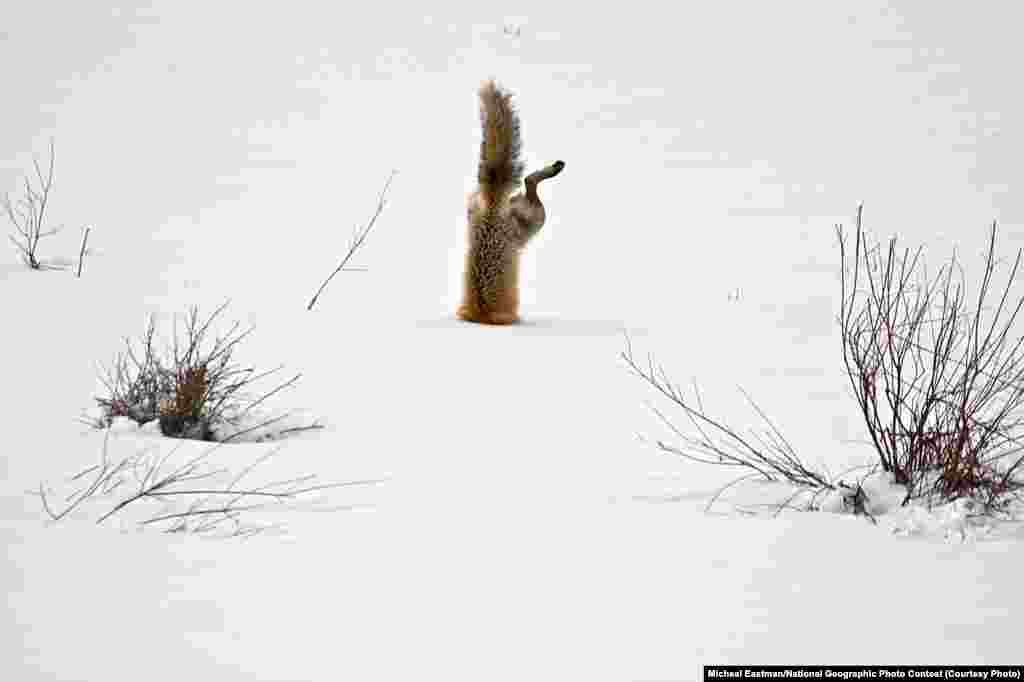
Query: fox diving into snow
x=500, y=225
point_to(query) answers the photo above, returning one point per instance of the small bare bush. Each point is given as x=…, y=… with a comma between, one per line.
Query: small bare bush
x=192, y=386
x=27, y=214
x=938, y=374
x=765, y=454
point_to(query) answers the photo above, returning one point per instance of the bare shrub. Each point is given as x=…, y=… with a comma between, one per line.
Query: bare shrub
x=178, y=494
x=937, y=374
x=766, y=453
x=28, y=214
x=193, y=386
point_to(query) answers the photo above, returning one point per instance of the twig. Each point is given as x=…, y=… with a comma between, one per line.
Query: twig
x=357, y=241
x=714, y=498
x=81, y=252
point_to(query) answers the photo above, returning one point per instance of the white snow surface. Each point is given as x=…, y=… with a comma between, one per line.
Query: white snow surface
x=525, y=528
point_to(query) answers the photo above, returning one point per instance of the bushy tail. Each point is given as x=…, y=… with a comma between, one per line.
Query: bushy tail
x=500, y=169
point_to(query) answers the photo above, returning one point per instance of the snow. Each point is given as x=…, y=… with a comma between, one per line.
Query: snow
x=523, y=526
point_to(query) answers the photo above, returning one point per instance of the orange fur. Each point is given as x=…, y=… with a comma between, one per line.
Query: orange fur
x=499, y=225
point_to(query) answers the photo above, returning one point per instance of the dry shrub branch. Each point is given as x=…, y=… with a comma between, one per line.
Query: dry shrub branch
x=765, y=453
x=180, y=494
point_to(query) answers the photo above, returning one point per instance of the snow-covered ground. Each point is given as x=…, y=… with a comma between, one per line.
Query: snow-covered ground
x=524, y=528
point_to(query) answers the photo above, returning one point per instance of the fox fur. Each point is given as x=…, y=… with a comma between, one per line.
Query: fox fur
x=500, y=224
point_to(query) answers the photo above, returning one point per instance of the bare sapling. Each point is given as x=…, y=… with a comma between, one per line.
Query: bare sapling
x=27, y=214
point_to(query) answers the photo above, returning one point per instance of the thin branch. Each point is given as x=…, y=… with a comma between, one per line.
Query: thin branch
x=81, y=252
x=769, y=454
x=357, y=241
x=189, y=481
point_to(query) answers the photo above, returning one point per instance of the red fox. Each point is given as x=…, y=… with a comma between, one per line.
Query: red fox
x=500, y=225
